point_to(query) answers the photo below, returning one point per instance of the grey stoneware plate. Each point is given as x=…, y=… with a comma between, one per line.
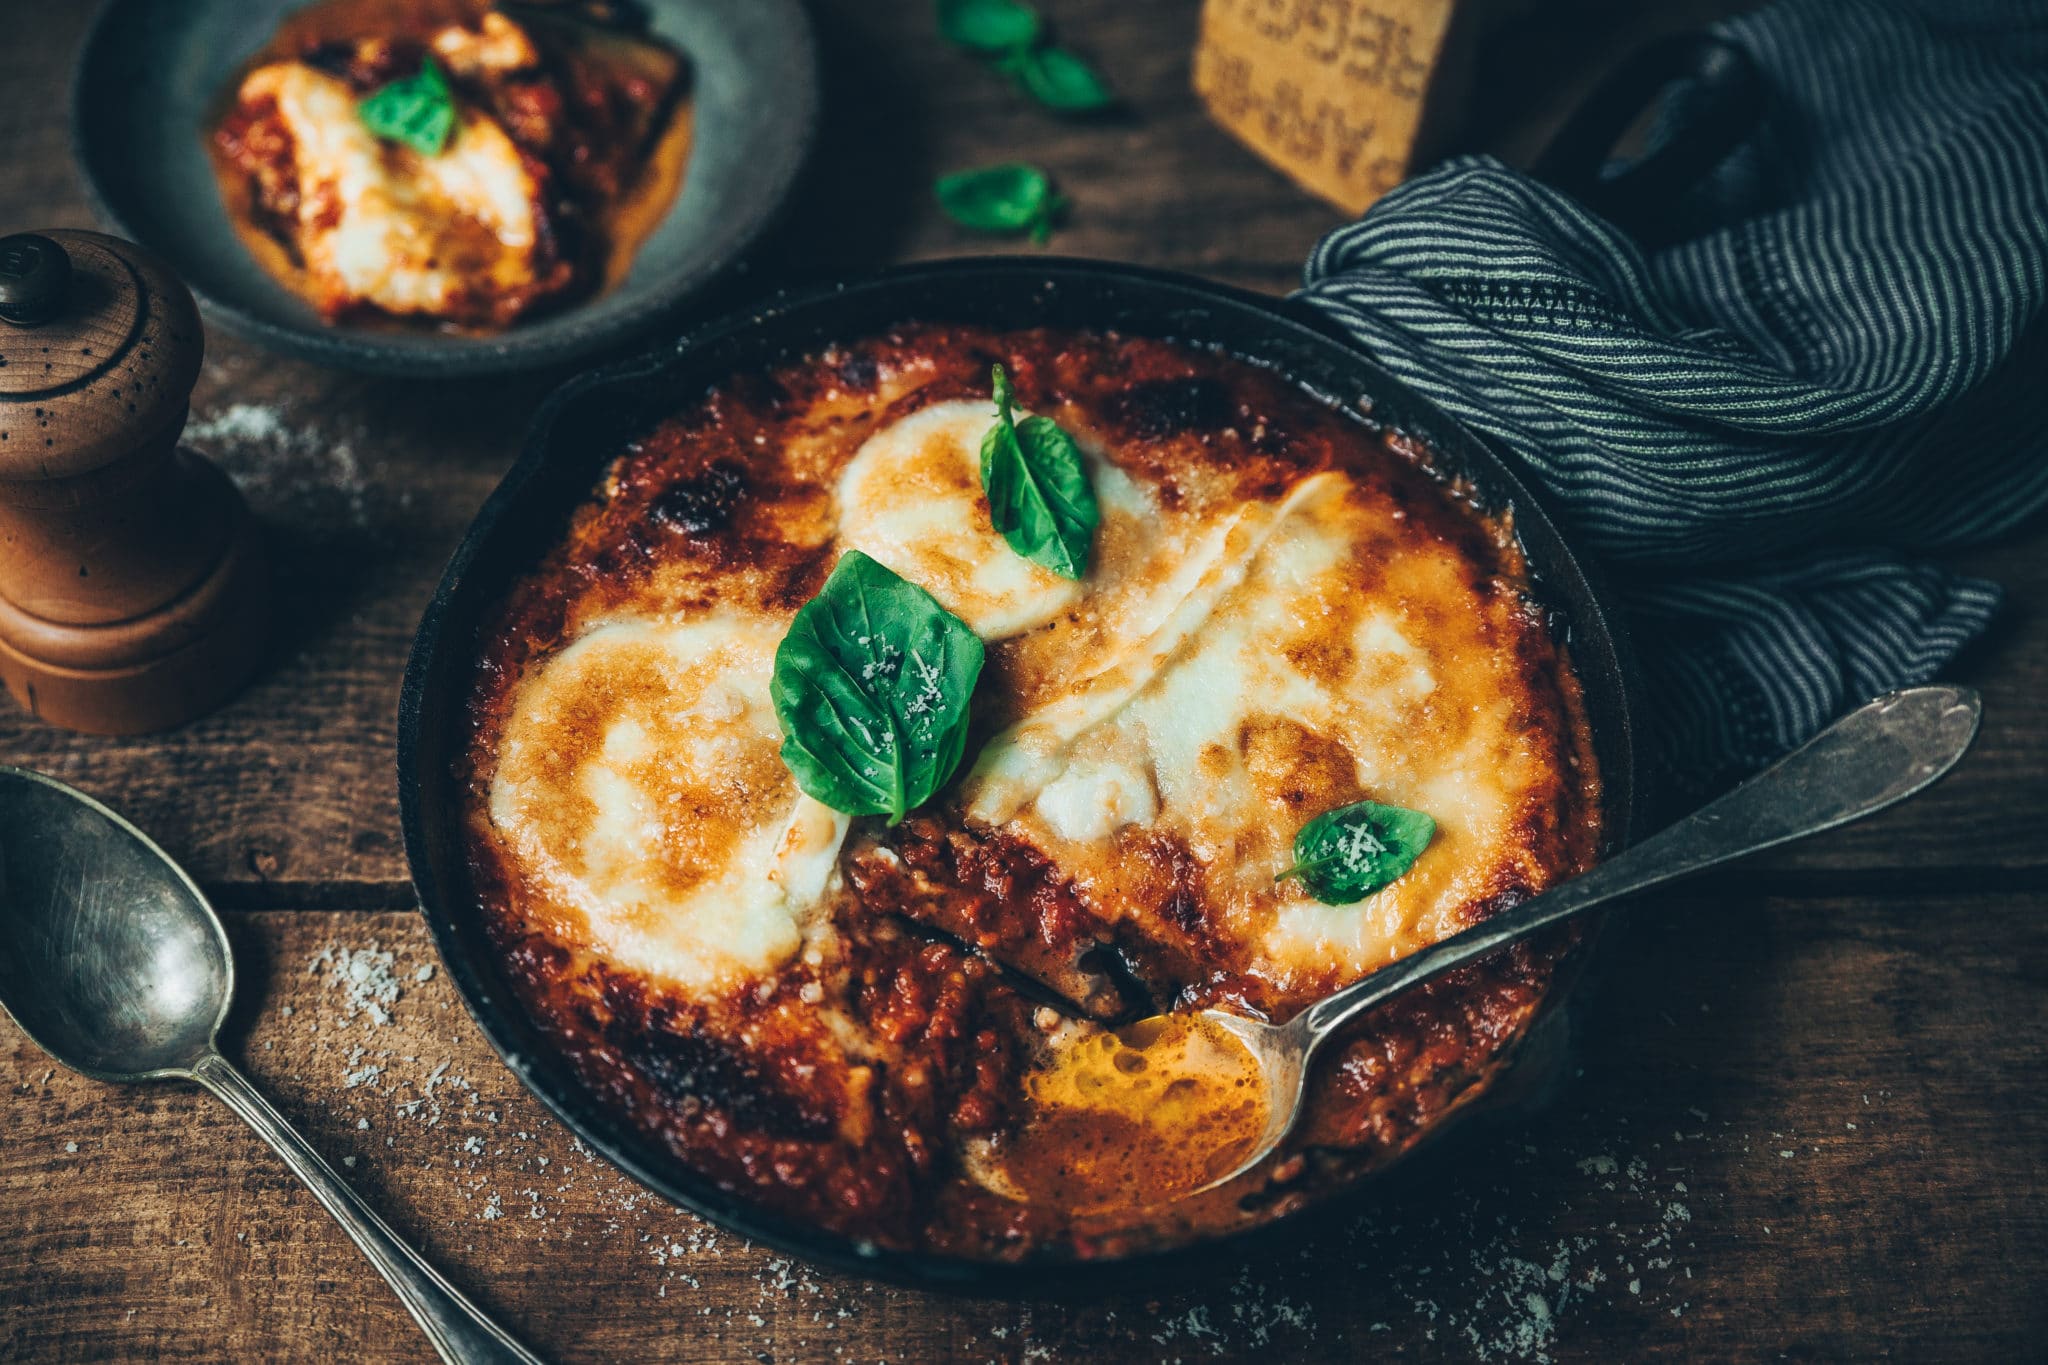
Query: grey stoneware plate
x=149, y=81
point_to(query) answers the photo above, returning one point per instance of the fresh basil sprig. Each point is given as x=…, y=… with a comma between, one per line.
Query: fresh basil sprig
x=1039, y=497
x=872, y=685
x=417, y=110
x=1011, y=32
x=1057, y=79
x=1011, y=197
x=1346, y=854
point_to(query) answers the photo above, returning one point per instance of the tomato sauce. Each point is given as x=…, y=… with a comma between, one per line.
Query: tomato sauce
x=1135, y=1118
x=918, y=1087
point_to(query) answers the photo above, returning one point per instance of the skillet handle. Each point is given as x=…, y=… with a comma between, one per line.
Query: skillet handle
x=1726, y=100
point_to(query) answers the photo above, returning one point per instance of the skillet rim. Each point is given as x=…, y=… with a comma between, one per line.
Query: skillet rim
x=1600, y=651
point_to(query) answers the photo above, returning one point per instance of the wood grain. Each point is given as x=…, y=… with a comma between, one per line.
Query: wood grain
x=1871, y=1003
x=1828, y=1106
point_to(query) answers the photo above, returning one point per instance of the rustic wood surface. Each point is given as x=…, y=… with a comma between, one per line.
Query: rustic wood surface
x=1805, y=1119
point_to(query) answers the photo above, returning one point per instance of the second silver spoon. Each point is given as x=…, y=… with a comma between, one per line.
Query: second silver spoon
x=112, y=960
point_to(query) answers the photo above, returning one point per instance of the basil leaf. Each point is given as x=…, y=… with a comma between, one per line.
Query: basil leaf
x=1008, y=198
x=1037, y=485
x=871, y=686
x=1055, y=208
x=1057, y=79
x=1346, y=854
x=418, y=111
x=989, y=25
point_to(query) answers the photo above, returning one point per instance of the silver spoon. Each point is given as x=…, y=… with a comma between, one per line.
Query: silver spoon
x=112, y=962
x=1878, y=754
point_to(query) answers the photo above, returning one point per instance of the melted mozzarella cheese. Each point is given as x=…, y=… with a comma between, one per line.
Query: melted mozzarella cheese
x=1271, y=687
x=1226, y=671
x=640, y=783
x=1022, y=761
x=912, y=499
x=380, y=224
x=1094, y=798
x=495, y=46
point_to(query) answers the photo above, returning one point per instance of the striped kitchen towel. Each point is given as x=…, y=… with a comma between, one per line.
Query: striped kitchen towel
x=1841, y=362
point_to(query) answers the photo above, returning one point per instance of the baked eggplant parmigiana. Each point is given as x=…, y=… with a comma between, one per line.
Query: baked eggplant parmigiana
x=439, y=160
x=1283, y=613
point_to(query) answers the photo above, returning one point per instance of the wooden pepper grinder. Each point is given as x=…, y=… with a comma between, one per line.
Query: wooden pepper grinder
x=132, y=585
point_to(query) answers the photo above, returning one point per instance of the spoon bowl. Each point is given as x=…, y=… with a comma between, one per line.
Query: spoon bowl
x=1282, y=1053
x=116, y=965
x=112, y=962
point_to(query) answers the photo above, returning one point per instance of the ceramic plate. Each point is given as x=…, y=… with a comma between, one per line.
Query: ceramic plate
x=152, y=73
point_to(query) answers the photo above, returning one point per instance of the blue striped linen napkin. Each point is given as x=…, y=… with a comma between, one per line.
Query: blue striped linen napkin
x=1843, y=362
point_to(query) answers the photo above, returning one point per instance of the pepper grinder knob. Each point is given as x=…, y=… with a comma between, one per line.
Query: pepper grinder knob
x=132, y=584
x=35, y=275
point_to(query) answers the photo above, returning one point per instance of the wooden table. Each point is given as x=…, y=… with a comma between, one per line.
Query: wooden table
x=1807, y=1118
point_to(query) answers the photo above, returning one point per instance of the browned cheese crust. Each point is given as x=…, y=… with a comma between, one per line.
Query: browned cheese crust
x=840, y=1086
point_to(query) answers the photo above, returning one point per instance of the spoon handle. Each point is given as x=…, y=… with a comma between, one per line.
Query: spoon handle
x=1878, y=754
x=456, y=1327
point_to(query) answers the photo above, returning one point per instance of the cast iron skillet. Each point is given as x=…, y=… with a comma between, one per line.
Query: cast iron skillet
x=586, y=423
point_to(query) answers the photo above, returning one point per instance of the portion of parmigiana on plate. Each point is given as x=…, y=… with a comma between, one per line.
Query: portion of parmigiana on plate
x=1229, y=667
